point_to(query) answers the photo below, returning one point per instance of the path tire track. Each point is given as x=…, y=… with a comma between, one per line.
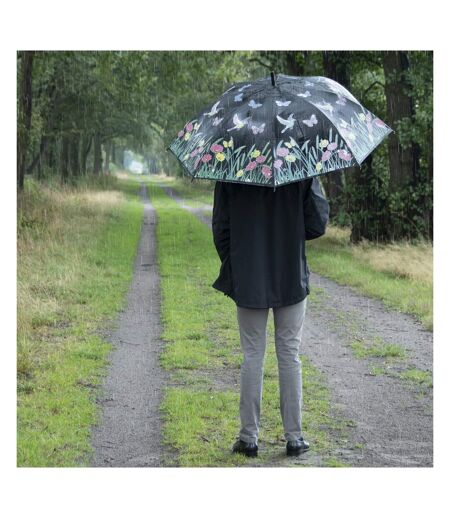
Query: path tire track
x=129, y=433
x=392, y=421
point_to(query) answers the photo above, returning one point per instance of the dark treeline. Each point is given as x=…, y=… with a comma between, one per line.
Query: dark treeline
x=79, y=111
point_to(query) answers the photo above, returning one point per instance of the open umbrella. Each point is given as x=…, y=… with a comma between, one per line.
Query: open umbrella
x=276, y=130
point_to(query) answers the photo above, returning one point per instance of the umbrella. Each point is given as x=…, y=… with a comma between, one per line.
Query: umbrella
x=276, y=130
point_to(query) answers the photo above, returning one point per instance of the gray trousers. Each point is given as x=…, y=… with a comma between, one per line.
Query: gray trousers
x=288, y=322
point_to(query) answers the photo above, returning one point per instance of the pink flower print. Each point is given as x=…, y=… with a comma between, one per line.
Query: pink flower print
x=326, y=155
x=194, y=153
x=332, y=146
x=266, y=171
x=216, y=148
x=180, y=133
x=283, y=151
x=379, y=123
x=260, y=159
x=189, y=127
x=206, y=158
x=251, y=165
x=345, y=155
x=368, y=117
x=278, y=163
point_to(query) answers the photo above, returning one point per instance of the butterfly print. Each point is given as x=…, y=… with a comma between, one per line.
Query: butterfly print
x=238, y=97
x=305, y=94
x=283, y=103
x=311, y=121
x=258, y=129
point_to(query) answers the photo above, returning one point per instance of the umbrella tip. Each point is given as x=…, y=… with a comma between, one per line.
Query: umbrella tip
x=272, y=76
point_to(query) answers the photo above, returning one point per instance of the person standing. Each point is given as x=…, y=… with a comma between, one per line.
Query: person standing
x=259, y=234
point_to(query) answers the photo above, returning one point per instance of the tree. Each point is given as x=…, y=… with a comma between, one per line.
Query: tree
x=24, y=112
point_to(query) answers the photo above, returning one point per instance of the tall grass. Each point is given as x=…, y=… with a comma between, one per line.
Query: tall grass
x=400, y=274
x=75, y=249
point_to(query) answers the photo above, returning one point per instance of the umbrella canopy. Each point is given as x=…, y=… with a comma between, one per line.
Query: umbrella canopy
x=277, y=130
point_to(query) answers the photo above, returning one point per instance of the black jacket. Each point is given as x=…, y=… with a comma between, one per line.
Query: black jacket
x=260, y=236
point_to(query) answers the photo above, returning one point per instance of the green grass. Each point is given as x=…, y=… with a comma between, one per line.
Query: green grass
x=335, y=259
x=195, y=193
x=75, y=255
x=400, y=275
x=377, y=349
x=418, y=377
x=202, y=352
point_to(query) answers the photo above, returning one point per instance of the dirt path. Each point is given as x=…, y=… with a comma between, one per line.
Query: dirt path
x=129, y=433
x=392, y=418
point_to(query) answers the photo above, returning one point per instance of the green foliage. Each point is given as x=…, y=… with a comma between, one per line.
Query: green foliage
x=139, y=100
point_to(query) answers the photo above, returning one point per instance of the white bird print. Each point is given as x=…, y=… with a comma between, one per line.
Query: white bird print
x=306, y=94
x=325, y=106
x=283, y=103
x=287, y=123
x=214, y=110
x=254, y=104
x=238, y=97
x=217, y=121
x=238, y=123
x=244, y=87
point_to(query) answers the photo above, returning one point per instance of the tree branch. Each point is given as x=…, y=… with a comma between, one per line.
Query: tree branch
x=367, y=90
x=265, y=65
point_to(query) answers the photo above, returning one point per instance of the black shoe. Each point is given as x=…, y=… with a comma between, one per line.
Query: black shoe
x=294, y=448
x=250, y=449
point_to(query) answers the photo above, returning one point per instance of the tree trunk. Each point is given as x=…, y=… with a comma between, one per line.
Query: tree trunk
x=49, y=153
x=75, y=155
x=429, y=215
x=113, y=153
x=335, y=66
x=64, y=164
x=399, y=106
x=86, y=143
x=295, y=62
x=38, y=159
x=25, y=108
x=107, y=156
x=97, y=153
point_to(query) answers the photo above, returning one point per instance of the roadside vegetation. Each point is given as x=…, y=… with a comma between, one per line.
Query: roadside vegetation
x=75, y=255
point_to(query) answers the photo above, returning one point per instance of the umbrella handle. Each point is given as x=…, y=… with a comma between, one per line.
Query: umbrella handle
x=272, y=76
